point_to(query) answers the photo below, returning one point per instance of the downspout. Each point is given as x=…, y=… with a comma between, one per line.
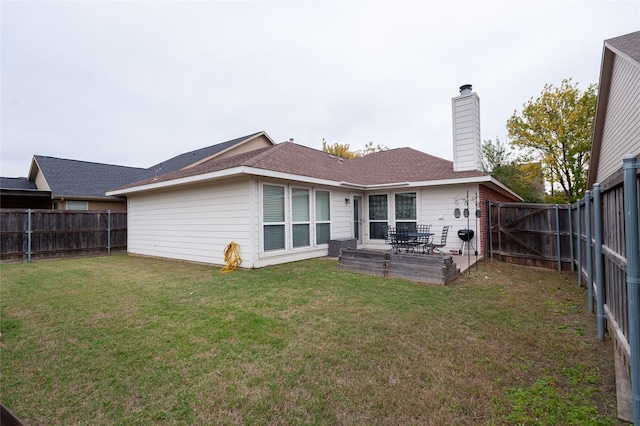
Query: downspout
x=490, y=230
x=633, y=274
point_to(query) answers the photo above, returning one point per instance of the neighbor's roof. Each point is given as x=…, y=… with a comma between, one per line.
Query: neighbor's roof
x=385, y=167
x=188, y=158
x=627, y=46
x=21, y=183
x=75, y=178
x=72, y=178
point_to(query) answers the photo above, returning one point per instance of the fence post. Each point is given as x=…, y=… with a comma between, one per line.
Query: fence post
x=29, y=231
x=570, y=236
x=108, y=232
x=633, y=274
x=597, y=219
x=558, y=238
x=579, y=240
x=490, y=230
x=588, y=252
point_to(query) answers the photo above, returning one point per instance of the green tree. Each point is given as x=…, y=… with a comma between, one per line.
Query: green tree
x=524, y=177
x=344, y=151
x=494, y=155
x=556, y=129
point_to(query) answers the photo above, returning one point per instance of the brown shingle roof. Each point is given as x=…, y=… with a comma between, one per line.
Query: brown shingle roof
x=391, y=166
x=404, y=165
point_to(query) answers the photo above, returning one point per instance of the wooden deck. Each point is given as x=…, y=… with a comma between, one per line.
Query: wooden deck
x=432, y=269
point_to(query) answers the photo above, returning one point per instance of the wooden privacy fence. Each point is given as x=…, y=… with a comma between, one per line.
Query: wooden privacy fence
x=41, y=234
x=597, y=236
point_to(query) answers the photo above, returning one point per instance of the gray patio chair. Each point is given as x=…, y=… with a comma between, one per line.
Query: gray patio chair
x=423, y=242
x=402, y=241
x=443, y=241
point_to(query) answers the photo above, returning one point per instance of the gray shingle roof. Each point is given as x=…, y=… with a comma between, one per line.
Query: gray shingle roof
x=72, y=178
x=17, y=183
x=183, y=160
x=629, y=44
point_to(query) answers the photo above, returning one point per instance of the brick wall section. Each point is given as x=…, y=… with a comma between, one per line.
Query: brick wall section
x=488, y=194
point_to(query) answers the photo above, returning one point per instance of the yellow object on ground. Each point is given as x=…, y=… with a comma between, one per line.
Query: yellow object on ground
x=231, y=257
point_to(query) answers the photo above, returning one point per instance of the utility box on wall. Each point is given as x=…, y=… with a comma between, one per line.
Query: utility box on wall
x=344, y=243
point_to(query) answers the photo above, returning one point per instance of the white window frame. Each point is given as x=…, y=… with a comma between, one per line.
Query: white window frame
x=264, y=224
x=371, y=221
x=321, y=221
x=306, y=222
x=395, y=209
x=79, y=205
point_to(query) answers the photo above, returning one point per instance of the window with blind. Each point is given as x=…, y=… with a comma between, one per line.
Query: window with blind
x=300, y=217
x=323, y=217
x=378, y=216
x=273, y=217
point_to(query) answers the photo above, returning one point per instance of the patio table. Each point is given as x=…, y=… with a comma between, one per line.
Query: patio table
x=421, y=239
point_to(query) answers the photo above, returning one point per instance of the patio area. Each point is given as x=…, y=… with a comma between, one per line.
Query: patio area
x=431, y=269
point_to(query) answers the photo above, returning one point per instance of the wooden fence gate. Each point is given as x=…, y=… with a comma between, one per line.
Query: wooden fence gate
x=531, y=234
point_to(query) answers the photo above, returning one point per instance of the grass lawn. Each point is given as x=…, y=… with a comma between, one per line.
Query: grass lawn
x=130, y=340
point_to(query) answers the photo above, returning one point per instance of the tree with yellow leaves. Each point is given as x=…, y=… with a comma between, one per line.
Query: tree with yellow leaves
x=343, y=150
x=556, y=128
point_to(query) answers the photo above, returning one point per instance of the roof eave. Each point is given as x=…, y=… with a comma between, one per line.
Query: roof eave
x=604, y=86
x=220, y=174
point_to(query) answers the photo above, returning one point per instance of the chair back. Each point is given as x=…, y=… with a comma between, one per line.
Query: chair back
x=445, y=232
x=402, y=235
x=389, y=235
x=423, y=229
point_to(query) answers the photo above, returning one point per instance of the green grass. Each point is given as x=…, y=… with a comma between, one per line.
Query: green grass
x=129, y=340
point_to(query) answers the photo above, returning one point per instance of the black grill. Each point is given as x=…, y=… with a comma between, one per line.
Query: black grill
x=465, y=234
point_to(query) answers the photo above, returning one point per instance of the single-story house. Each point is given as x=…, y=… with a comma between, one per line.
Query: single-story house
x=617, y=123
x=64, y=184
x=286, y=202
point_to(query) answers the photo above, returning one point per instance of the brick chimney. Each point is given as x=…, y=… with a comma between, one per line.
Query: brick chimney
x=467, y=146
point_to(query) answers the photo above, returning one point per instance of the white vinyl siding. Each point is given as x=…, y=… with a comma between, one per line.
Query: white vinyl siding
x=193, y=223
x=621, y=133
x=436, y=206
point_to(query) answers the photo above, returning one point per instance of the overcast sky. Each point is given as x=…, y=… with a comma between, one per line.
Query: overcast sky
x=135, y=83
